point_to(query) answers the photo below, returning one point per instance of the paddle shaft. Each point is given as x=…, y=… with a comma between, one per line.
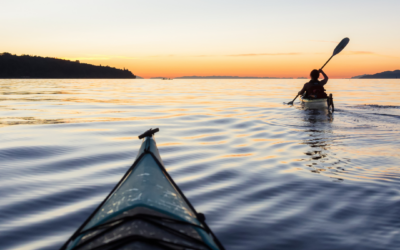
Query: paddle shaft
x=338, y=49
x=293, y=99
x=326, y=62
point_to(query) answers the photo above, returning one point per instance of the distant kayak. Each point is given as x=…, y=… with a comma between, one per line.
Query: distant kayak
x=318, y=103
x=145, y=210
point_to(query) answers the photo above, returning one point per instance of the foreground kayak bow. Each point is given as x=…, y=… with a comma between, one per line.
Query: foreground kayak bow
x=145, y=210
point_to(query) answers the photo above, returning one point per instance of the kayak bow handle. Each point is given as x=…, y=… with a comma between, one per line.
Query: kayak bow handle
x=149, y=132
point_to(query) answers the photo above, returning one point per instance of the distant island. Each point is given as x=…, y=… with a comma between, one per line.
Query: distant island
x=383, y=75
x=162, y=78
x=26, y=66
x=228, y=77
x=358, y=77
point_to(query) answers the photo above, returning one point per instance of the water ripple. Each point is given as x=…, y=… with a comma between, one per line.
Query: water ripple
x=266, y=175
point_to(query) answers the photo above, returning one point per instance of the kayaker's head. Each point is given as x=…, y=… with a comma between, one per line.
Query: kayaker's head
x=314, y=75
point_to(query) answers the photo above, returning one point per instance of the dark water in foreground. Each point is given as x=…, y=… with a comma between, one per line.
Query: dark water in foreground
x=266, y=175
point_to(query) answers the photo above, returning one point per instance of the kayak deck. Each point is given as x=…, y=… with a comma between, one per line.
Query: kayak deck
x=146, y=210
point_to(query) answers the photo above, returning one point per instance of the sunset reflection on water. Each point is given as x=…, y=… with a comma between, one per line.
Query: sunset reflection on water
x=251, y=163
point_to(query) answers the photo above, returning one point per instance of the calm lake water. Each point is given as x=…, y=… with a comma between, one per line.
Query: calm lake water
x=266, y=175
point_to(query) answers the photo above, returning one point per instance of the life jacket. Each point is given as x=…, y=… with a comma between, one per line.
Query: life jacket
x=317, y=90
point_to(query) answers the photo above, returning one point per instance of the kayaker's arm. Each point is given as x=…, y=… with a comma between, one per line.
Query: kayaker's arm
x=326, y=78
x=301, y=92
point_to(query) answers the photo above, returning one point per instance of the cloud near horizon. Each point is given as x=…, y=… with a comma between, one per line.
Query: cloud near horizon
x=323, y=41
x=359, y=53
x=234, y=55
x=92, y=58
x=238, y=55
x=269, y=54
x=368, y=53
x=152, y=57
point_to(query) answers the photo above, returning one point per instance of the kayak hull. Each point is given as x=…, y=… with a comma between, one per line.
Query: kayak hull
x=146, y=210
x=321, y=103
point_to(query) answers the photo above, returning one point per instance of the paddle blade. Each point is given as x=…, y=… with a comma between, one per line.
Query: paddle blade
x=341, y=46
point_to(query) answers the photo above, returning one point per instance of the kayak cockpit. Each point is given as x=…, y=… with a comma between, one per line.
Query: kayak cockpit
x=142, y=228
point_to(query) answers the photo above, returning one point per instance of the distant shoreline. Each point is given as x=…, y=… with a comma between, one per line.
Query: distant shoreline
x=36, y=67
x=382, y=75
x=55, y=78
x=230, y=77
x=227, y=77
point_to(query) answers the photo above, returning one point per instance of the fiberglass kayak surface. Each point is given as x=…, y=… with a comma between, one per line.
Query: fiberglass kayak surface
x=314, y=103
x=146, y=210
x=319, y=103
x=320, y=100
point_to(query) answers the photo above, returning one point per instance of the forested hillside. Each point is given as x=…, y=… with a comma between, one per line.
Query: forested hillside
x=26, y=66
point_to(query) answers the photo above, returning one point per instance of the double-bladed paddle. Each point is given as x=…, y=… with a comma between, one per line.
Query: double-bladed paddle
x=337, y=50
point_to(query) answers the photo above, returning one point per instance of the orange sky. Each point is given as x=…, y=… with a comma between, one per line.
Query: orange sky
x=175, y=38
x=344, y=65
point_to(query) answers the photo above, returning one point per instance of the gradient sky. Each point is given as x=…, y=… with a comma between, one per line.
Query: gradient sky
x=171, y=38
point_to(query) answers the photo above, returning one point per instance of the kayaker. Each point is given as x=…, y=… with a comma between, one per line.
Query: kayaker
x=315, y=88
